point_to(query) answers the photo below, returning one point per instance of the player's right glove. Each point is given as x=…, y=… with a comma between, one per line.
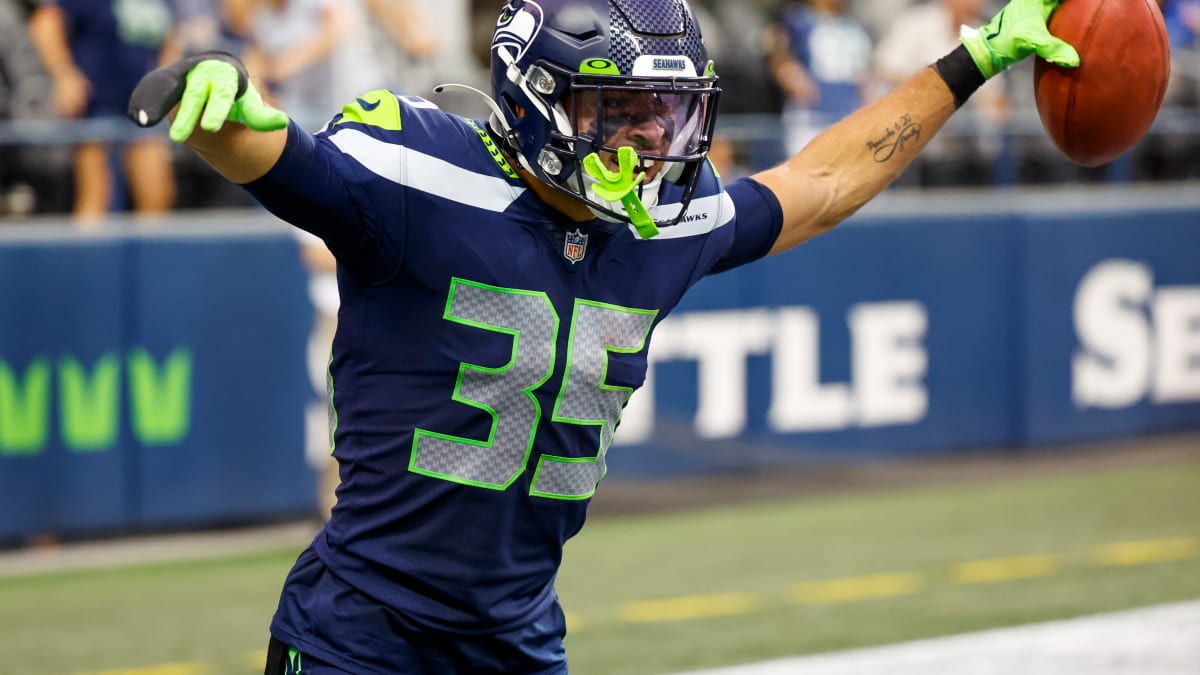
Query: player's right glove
x=1016, y=32
x=210, y=88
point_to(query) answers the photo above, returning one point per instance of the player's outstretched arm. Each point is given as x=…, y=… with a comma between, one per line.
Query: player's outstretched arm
x=221, y=116
x=209, y=90
x=853, y=161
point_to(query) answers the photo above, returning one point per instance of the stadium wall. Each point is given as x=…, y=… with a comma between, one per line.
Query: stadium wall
x=151, y=379
x=934, y=323
x=155, y=378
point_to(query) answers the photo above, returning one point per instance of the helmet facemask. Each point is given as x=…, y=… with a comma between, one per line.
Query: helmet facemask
x=607, y=101
x=667, y=122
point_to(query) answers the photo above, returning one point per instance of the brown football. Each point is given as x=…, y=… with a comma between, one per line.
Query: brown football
x=1097, y=112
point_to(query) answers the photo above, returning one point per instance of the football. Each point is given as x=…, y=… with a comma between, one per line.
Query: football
x=1098, y=111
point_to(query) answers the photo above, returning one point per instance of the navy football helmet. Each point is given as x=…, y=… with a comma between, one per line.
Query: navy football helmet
x=576, y=77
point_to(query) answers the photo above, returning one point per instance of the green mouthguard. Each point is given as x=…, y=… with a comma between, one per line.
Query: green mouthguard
x=619, y=186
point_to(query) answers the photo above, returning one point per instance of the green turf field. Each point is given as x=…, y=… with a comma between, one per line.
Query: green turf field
x=657, y=594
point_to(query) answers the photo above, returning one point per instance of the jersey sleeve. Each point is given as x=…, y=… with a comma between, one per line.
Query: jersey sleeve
x=346, y=184
x=757, y=223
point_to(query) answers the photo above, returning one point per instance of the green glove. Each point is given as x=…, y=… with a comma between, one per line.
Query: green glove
x=209, y=88
x=1016, y=32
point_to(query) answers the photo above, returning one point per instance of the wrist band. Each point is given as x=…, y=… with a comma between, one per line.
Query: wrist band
x=960, y=73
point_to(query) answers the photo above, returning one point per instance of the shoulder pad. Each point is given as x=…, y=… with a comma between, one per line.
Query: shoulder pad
x=378, y=108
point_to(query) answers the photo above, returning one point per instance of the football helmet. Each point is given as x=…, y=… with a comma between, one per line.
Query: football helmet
x=576, y=78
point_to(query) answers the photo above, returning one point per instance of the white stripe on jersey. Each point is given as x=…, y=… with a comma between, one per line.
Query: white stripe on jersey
x=703, y=216
x=426, y=173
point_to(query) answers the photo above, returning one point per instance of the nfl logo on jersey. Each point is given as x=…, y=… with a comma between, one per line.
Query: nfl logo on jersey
x=575, y=246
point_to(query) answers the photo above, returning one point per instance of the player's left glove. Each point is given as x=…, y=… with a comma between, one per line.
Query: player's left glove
x=210, y=88
x=1016, y=32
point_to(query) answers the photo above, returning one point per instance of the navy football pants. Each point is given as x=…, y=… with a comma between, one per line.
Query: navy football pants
x=467, y=655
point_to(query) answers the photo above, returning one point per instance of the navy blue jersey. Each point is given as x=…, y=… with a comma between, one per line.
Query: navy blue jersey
x=485, y=349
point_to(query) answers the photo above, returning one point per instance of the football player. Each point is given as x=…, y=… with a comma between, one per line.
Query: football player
x=500, y=281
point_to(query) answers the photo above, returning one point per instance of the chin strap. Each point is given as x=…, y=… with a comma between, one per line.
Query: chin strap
x=619, y=186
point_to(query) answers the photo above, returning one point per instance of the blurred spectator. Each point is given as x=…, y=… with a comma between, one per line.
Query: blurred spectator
x=821, y=59
x=920, y=35
x=1182, y=19
x=402, y=41
x=737, y=42
x=205, y=25
x=316, y=55
x=1174, y=152
x=23, y=90
x=878, y=15
x=95, y=52
x=735, y=35
x=483, y=24
x=291, y=51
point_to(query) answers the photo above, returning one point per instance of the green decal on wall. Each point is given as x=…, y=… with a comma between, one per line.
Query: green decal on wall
x=88, y=406
x=160, y=397
x=24, y=409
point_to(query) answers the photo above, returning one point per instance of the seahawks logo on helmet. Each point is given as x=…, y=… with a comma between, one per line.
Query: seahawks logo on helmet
x=517, y=27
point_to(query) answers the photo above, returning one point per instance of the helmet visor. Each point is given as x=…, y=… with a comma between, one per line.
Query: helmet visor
x=666, y=122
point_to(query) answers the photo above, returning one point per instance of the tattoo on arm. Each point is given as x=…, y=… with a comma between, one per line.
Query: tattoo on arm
x=892, y=141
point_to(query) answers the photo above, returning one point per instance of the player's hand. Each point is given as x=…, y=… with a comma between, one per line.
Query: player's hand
x=1016, y=32
x=209, y=88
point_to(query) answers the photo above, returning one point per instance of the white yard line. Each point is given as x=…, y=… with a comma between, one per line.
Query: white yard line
x=1162, y=640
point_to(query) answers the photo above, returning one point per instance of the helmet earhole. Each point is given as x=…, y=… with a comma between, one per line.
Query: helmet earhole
x=550, y=163
x=541, y=81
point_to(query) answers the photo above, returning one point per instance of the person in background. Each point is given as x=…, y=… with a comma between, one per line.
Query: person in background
x=400, y=39
x=878, y=15
x=735, y=35
x=918, y=35
x=1166, y=154
x=290, y=48
x=821, y=58
x=18, y=73
x=96, y=51
x=316, y=54
x=206, y=25
x=1182, y=20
